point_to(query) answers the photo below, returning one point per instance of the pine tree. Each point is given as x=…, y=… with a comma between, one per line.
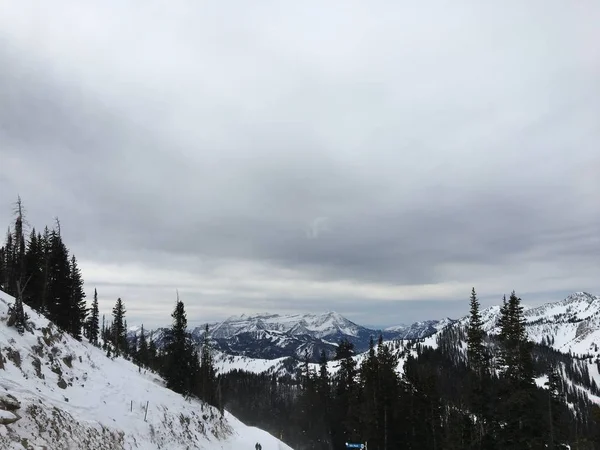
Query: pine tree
x=59, y=283
x=475, y=345
x=556, y=420
x=346, y=414
x=477, y=360
x=518, y=397
x=34, y=265
x=142, y=355
x=46, y=247
x=152, y=354
x=16, y=314
x=8, y=283
x=103, y=332
x=118, y=337
x=18, y=248
x=94, y=326
x=77, y=306
x=323, y=390
x=179, y=365
x=369, y=387
x=207, y=371
x=387, y=393
x=3, y=270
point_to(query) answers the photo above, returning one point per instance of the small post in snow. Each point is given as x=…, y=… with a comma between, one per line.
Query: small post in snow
x=131, y=408
x=145, y=415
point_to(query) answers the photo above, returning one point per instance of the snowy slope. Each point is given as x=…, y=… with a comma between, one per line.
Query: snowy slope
x=570, y=325
x=417, y=330
x=72, y=396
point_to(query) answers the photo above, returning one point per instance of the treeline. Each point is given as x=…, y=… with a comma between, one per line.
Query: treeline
x=187, y=369
x=479, y=396
x=39, y=271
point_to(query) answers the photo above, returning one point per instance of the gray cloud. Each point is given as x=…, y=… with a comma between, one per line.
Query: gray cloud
x=378, y=161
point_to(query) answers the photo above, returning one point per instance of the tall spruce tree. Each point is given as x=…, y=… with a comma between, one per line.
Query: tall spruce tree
x=77, y=306
x=346, y=414
x=369, y=389
x=16, y=314
x=521, y=428
x=179, y=353
x=142, y=355
x=555, y=419
x=18, y=257
x=8, y=283
x=477, y=360
x=94, y=321
x=59, y=283
x=475, y=335
x=118, y=331
x=34, y=264
x=3, y=272
x=207, y=371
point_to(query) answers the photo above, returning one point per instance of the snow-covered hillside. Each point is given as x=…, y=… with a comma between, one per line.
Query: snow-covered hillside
x=570, y=325
x=417, y=330
x=71, y=396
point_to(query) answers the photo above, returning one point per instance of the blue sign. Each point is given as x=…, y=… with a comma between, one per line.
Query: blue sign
x=349, y=445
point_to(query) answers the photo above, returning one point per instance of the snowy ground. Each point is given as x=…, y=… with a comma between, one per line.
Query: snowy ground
x=73, y=397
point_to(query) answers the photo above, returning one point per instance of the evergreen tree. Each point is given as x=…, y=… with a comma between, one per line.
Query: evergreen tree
x=518, y=397
x=34, y=266
x=387, y=393
x=556, y=420
x=77, y=306
x=59, y=283
x=46, y=246
x=207, y=382
x=8, y=283
x=346, y=414
x=142, y=355
x=94, y=321
x=3, y=269
x=119, y=338
x=16, y=313
x=477, y=360
x=369, y=386
x=475, y=345
x=153, y=354
x=179, y=354
x=323, y=409
x=18, y=249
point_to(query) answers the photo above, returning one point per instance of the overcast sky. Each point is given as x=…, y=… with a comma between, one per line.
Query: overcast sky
x=376, y=158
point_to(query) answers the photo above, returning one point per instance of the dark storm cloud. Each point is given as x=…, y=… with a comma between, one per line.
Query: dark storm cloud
x=395, y=153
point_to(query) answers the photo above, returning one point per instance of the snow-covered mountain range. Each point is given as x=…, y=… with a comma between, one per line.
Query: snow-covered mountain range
x=570, y=325
x=272, y=336
x=58, y=393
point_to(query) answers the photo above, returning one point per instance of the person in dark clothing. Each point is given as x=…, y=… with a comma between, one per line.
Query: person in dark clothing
x=258, y=446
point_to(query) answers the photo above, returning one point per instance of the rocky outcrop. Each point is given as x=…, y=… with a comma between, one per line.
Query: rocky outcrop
x=8, y=405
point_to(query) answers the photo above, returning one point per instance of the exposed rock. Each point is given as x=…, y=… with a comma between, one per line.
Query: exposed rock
x=7, y=417
x=9, y=402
